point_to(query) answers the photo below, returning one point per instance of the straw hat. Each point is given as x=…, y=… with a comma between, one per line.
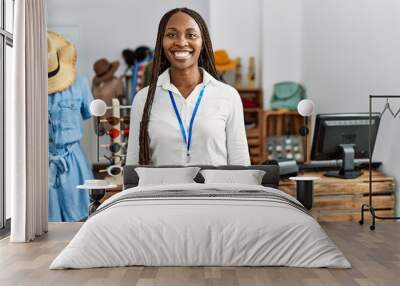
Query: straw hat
x=61, y=58
x=223, y=62
x=104, y=70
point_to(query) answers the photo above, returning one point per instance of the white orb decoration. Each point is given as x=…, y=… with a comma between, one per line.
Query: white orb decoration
x=98, y=107
x=305, y=107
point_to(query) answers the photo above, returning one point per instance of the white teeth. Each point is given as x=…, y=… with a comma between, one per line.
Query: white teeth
x=182, y=55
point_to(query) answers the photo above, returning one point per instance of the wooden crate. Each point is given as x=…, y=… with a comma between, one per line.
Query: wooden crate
x=280, y=123
x=340, y=200
x=255, y=139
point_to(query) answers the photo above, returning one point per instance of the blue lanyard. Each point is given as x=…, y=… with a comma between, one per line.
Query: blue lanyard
x=196, y=107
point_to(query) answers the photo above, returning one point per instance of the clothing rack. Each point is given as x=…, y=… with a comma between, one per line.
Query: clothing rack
x=369, y=206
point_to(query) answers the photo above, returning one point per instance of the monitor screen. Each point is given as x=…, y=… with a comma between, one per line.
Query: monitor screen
x=332, y=130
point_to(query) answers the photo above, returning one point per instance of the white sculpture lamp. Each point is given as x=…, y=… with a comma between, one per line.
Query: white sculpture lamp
x=98, y=108
x=305, y=108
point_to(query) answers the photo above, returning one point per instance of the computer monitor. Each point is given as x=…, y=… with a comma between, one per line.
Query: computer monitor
x=344, y=136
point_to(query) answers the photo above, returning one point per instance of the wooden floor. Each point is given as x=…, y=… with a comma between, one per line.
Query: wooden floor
x=375, y=257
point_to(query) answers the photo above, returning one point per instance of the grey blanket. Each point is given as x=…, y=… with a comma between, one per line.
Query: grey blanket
x=204, y=194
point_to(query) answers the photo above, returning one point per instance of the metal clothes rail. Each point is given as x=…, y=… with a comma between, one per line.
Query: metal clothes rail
x=369, y=207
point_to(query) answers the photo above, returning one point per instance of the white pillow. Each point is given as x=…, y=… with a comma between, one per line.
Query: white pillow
x=165, y=176
x=248, y=177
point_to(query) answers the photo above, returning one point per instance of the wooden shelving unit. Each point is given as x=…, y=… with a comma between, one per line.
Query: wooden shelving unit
x=280, y=123
x=254, y=115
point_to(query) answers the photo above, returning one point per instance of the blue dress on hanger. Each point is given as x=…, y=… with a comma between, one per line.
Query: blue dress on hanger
x=68, y=166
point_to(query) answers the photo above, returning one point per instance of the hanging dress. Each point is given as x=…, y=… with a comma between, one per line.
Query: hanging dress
x=68, y=166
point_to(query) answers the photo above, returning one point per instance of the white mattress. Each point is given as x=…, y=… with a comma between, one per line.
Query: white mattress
x=191, y=231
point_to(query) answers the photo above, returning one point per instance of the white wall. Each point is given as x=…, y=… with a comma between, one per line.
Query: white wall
x=103, y=28
x=281, y=43
x=350, y=50
x=235, y=26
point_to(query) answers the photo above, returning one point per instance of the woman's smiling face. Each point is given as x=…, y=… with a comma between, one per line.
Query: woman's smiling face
x=182, y=41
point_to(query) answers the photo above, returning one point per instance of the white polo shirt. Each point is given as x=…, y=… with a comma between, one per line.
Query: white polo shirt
x=218, y=136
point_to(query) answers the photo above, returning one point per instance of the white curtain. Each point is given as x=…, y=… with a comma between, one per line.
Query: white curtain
x=26, y=123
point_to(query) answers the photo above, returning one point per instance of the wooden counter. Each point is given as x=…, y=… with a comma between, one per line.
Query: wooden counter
x=340, y=200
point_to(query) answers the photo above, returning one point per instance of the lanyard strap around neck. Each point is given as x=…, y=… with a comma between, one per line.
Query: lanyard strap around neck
x=196, y=107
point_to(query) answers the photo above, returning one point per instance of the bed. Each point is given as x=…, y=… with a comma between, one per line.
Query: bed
x=198, y=224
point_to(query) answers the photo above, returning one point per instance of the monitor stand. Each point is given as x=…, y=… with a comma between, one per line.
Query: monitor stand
x=347, y=170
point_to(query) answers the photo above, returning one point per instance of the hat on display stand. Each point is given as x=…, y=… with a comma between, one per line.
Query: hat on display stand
x=104, y=70
x=222, y=61
x=61, y=61
x=140, y=54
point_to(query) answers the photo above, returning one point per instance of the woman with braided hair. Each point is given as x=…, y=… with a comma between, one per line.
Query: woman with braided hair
x=186, y=116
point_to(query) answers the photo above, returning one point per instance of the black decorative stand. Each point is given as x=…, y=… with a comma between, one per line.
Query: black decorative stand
x=305, y=193
x=369, y=207
x=304, y=130
x=95, y=196
x=305, y=190
x=96, y=193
